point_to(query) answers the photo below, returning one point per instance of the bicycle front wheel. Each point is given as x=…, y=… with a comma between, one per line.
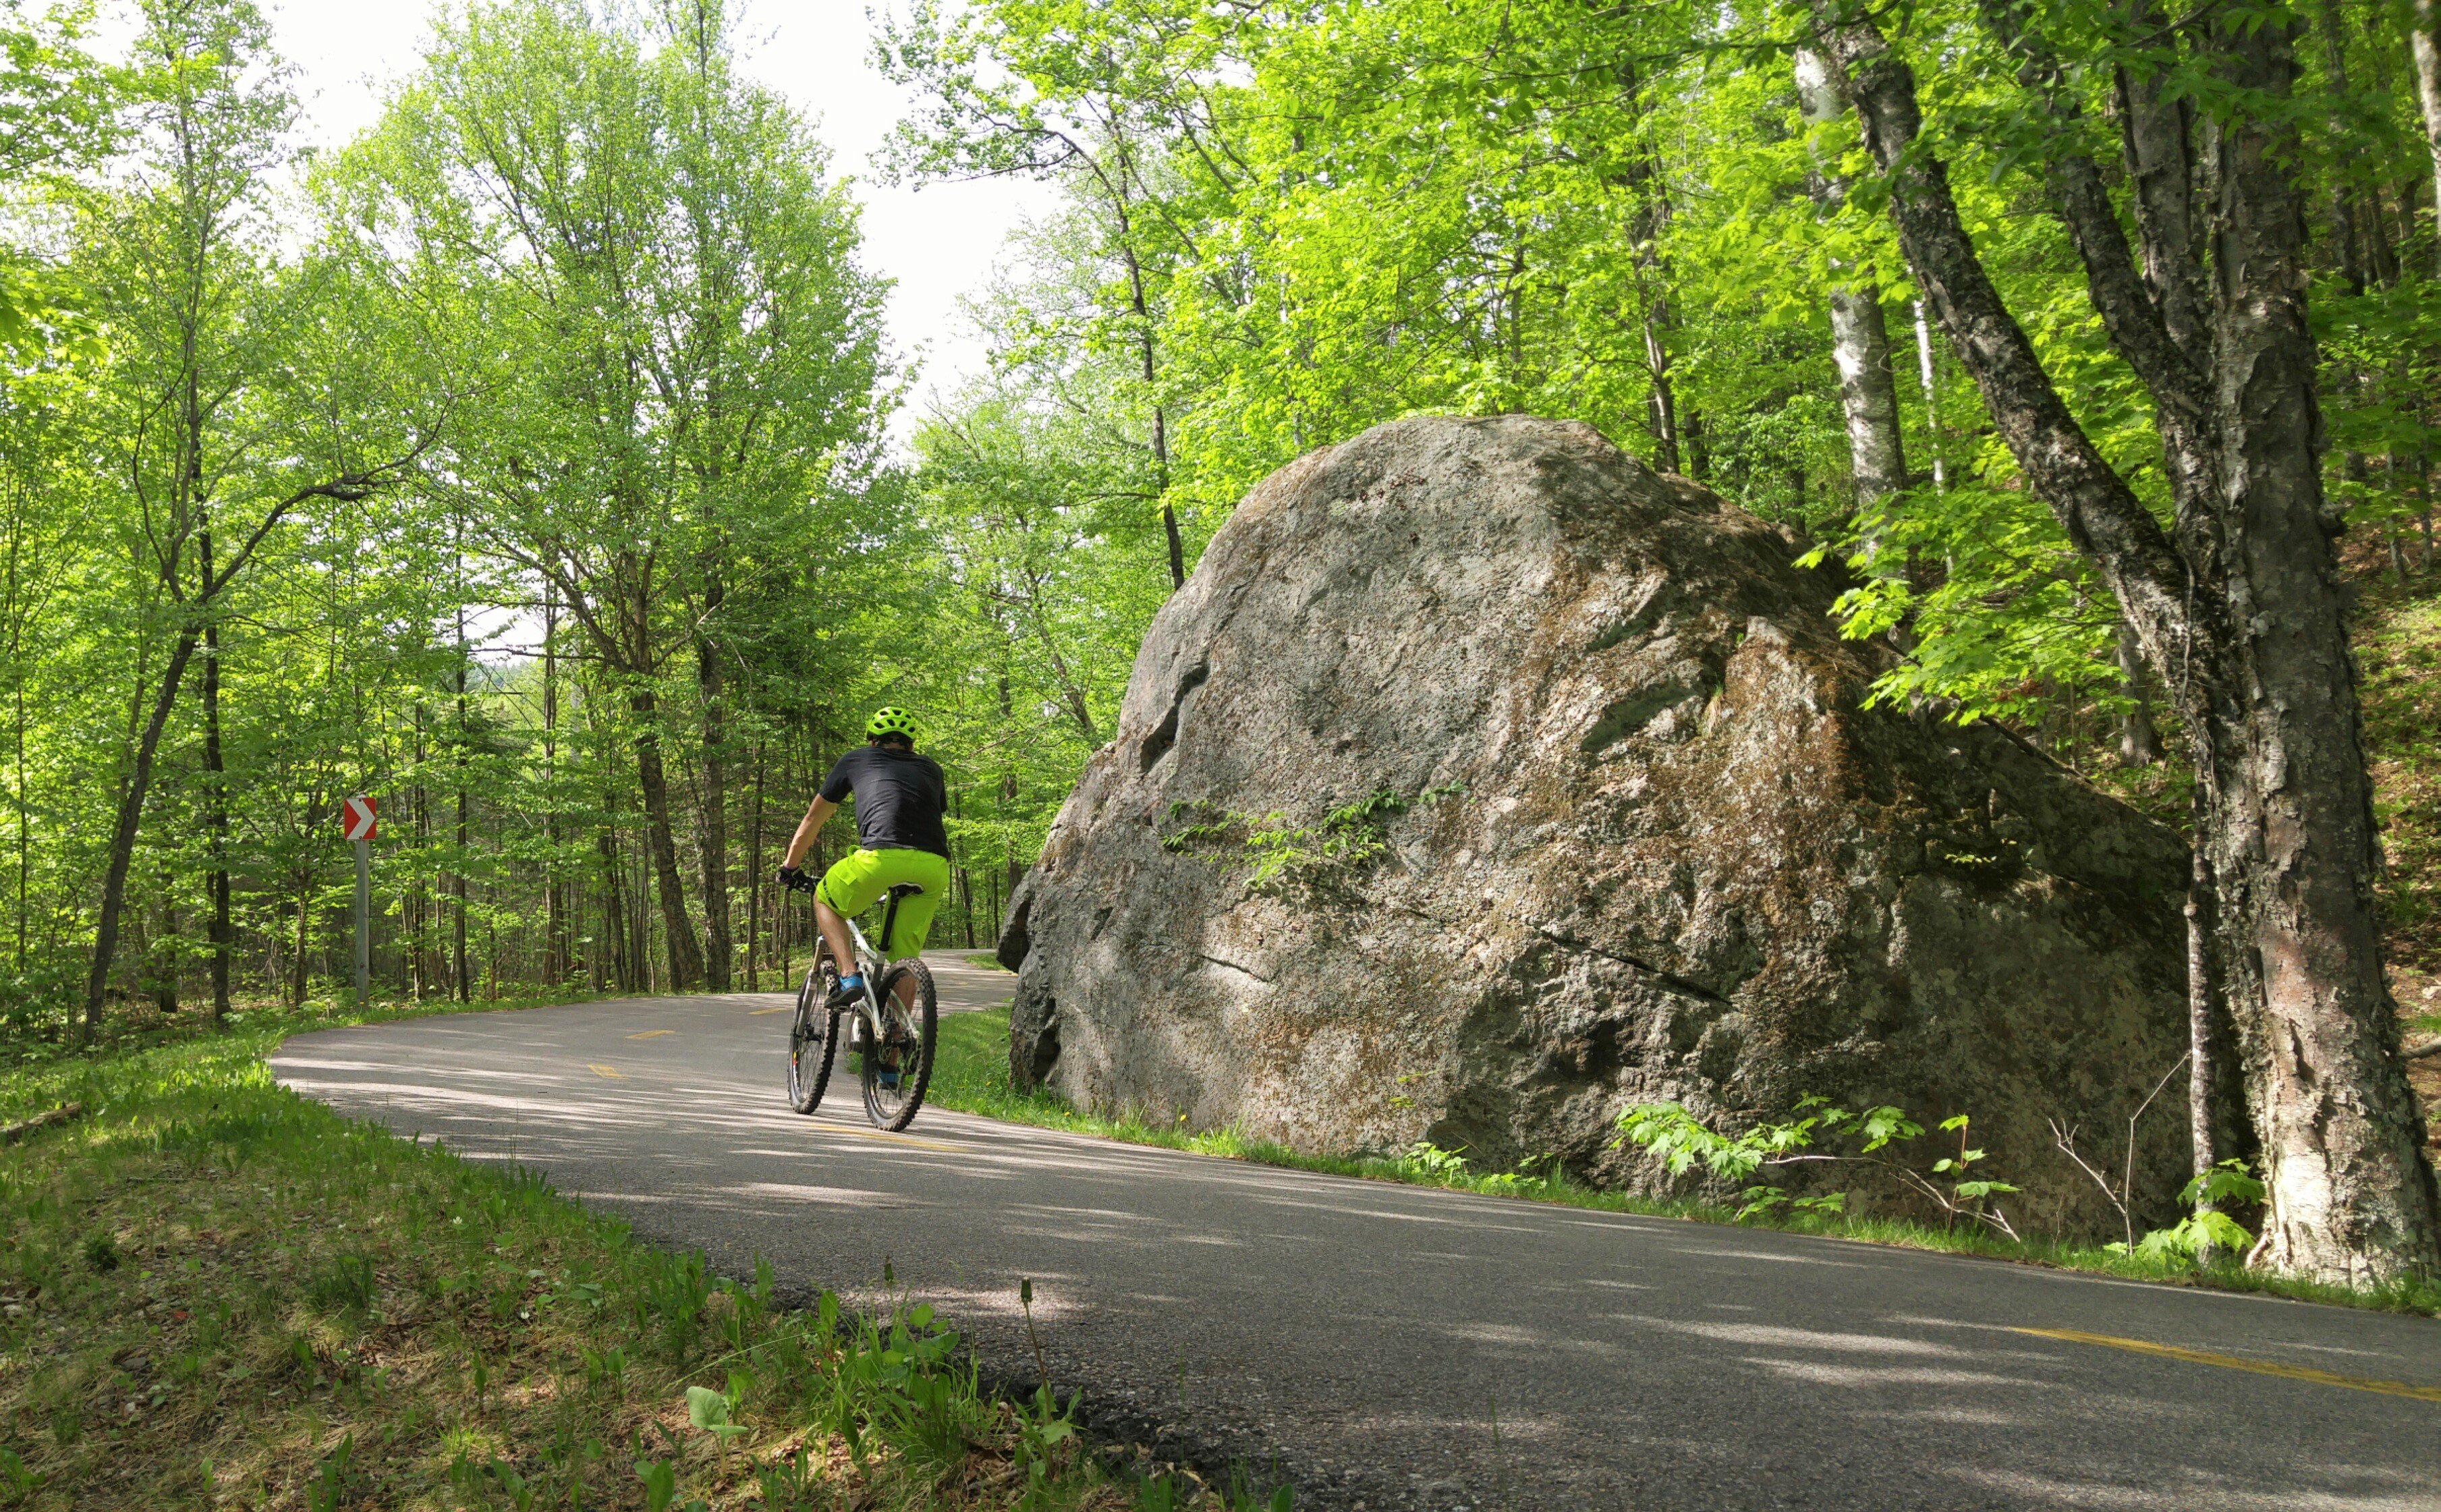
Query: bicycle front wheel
x=813, y=1037
x=896, y=1072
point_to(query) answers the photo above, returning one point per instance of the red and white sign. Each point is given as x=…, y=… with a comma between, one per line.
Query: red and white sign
x=356, y=815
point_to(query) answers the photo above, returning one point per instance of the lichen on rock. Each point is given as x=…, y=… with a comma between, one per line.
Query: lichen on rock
x=1481, y=783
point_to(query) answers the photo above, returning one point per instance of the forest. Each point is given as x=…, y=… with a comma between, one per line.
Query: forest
x=527, y=462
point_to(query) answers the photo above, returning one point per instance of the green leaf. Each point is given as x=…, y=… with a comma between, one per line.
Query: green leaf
x=1882, y=1125
x=706, y=1408
x=2229, y=1181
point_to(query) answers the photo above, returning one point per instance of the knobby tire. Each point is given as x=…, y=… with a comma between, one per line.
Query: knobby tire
x=915, y=1078
x=806, y=1082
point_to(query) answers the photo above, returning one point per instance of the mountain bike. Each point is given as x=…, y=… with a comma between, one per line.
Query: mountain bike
x=892, y=1040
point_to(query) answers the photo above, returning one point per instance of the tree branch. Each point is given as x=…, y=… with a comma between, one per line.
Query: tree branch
x=2101, y=516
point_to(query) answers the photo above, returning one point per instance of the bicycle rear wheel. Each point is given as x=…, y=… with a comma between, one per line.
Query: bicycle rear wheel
x=813, y=1037
x=896, y=1072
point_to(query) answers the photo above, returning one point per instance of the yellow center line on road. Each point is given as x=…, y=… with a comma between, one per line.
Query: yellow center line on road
x=895, y=1138
x=757, y=1012
x=653, y=1034
x=612, y=1071
x=2261, y=1367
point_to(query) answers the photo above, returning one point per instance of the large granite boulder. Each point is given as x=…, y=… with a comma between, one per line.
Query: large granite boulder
x=1482, y=782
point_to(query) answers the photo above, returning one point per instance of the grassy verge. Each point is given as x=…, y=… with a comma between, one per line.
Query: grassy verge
x=129, y=1029
x=971, y=1075
x=216, y=1293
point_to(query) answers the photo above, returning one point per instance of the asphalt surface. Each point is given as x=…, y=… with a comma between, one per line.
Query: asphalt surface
x=1389, y=1346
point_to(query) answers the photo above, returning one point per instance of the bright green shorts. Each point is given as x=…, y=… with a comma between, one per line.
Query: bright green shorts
x=861, y=878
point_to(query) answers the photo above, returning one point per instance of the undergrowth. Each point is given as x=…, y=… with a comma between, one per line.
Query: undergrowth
x=2398, y=651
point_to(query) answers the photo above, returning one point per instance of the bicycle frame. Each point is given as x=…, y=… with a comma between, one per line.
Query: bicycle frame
x=870, y=964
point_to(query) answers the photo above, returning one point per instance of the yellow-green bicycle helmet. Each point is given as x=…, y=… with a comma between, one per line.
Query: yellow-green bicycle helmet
x=892, y=720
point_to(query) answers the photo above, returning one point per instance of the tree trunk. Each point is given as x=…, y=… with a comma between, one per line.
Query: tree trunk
x=1860, y=339
x=2139, y=744
x=2424, y=38
x=304, y=916
x=215, y=798
x=419, y=905
x=464, y=983
x=712, y=825
x=2351, y=1196
x=1142, y=307
x=2351, y=237
x=1177, y=543
x=554, y=918
x=122, y=836
x=686, y=957
x=1662, y=400
x=163, y=951
x=2241, y=620
x=613, y=954
x=2217, y=1120
x=1933, y=426
x=1008, y=801
x=754, y=877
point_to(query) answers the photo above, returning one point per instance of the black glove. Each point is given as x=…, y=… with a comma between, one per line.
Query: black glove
x=795, y=880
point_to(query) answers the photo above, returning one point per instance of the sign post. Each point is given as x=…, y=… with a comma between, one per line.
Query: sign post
x=358, y=816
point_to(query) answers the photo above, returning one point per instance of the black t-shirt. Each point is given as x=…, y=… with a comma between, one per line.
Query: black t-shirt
x=899, y=798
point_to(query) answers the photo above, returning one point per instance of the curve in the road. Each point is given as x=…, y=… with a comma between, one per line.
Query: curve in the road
x=1391, y=1346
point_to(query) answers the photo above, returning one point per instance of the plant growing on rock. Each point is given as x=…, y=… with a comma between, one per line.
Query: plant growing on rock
x=1682, y=1140
x=1292, y=860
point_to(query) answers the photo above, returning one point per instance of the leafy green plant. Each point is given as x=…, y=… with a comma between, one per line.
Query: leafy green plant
x=348, y=1282
x=334, y=1478
x=786, y=1484
x=605, y=1369
x=1682, y=1141
x=22, y=1481
x=1429, y=1161
x=1211, y=824
x=661, y=1484
x=675, y=1297
x=2205, y=1229
x=1968, y=1193
x=1164, y=1493
x=709, y=1411
x=1045, y=1443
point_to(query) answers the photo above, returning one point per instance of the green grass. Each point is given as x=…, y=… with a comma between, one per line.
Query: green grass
x=971, y=1075
x=128, y=1029
x=215, y=1292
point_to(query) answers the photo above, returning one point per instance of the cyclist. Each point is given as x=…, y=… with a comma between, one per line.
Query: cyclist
x=900, y=797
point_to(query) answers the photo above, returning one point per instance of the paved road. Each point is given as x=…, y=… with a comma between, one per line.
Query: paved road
x=1394, y=1346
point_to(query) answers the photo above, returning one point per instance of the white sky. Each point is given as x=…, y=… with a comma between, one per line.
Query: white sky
x=939, y=244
